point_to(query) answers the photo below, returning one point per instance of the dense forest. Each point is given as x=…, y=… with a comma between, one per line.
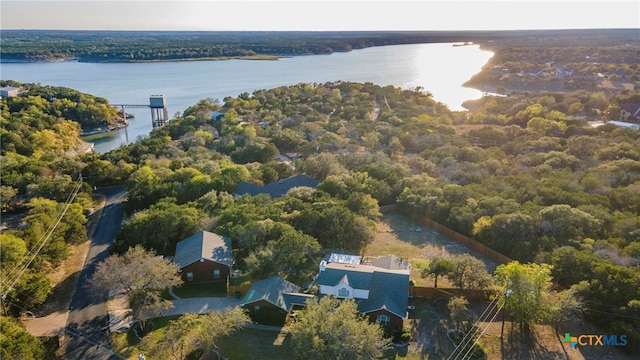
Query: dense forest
x=526, y=174
x=121, y=46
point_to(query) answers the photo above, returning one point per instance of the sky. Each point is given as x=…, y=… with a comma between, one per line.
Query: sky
x=307, y=15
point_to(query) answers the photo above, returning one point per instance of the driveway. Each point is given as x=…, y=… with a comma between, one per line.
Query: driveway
x=201, y=305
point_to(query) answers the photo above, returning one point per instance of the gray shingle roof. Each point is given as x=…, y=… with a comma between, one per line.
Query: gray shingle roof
x=204, y=245
x=357, y=277
x=296, y=299
x=276, y=189
x=273, y=290
x=391, y=262
x=388, y=288
x=388, y=291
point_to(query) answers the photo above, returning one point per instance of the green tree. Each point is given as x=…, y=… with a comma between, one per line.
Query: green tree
x=528, y=287
x=31, y=290
x=194, y=336
x=460, y=315
x=12, y=249
x=565, y=223
x=469, y=273
x=16, y=343
x=334, y=329
x=7, y=197
x=437, y=267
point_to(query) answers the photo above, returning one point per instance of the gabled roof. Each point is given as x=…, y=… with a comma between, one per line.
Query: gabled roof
x=274, y=290
x=356, y=276
x=391, y=262
x=204, y=245
x=389, y=291
x=631, y=108
x=386, y=279
x=276, y=189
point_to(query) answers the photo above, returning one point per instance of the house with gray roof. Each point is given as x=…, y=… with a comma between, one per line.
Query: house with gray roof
x=380, y=288
x=275, y=189
x=270, y=300
x=204, y=257
x=630, y=112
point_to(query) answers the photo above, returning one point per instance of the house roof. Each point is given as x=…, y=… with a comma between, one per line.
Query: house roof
x=388, y=284
x=275, y=290
x=204, y=245
x=344, y=259
x=624, y=124
x=389, y=291
x=276, y=189
x=291, y=299
x=631, y=108
x=356, y=276
x=391, y=262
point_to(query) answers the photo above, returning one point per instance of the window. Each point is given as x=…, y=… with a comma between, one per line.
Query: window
x=383, y=319
x=343, y=292
x=189, y=276
x=216, y=274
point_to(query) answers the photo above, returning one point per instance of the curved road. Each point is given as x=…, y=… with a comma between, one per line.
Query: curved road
x=87, y=328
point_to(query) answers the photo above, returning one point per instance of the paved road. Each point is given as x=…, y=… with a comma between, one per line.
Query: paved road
x=88, y=322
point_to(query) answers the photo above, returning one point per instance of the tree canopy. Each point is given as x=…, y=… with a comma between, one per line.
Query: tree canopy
x=334, y=329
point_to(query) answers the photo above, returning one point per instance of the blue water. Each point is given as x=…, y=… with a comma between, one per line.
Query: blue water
x=440, y=69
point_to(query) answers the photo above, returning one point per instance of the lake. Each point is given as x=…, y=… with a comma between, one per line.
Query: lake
x=440, y=69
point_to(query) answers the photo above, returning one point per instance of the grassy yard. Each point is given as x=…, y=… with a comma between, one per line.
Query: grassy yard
x=257, y=344
x=211, y=289
x=400, y=236
x=127, y=345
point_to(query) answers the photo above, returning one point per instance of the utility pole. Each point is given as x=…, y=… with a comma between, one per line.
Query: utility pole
x=504, y=311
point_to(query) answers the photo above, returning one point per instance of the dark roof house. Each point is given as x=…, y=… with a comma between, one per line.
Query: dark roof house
x=275, y=189
x=204, y=256
x=630, y=112
x=380, y=288
x=275, y=292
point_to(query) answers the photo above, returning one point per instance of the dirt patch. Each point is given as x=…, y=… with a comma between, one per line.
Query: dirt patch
x=399, y=235
x=64, y=279
x=542, y=342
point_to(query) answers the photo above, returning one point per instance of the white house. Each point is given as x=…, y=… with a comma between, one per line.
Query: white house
x=9, y=91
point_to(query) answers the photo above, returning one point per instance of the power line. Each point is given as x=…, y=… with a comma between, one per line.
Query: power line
x=42, y=242
x=51, y=227
x=479, y=336
x=474, y=328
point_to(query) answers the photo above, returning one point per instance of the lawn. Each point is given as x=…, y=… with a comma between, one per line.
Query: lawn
x=211, y=289
x=256, y=344
x=400, y=236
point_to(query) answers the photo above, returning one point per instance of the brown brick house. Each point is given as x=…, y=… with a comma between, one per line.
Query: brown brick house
x=204, y=257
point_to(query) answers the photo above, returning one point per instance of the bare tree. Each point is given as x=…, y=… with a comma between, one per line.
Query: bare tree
x=142, y=276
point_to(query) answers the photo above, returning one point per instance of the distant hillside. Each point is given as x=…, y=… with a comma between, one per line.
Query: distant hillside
x=126, y=46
